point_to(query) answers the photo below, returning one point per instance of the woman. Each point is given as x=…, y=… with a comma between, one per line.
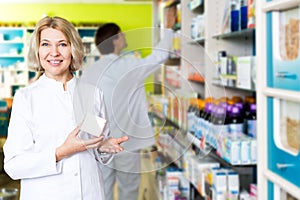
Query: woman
x=43, y=146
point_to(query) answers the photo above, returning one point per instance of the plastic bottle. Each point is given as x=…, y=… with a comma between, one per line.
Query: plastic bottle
x=251, y=121
x=220, y=125
x=191, y=115
x=244, y=14
x=234, y=16
x=248, y=101
x=198, y=120
x=206, y=122
x=236, y=121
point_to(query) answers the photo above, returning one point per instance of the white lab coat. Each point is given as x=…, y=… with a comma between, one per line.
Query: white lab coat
x=43, y=115
x=122, y=80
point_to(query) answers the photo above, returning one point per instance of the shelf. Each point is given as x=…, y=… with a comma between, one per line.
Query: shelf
x=233, y=87
x=229, y=76
x=282, y=94
x=242, y=33
x=11, y=56
x=280, y=5
x=13, y=69
x=212, y=152
x=197, y=81
x=196, y=142
x=198, y=41
x=11, y=42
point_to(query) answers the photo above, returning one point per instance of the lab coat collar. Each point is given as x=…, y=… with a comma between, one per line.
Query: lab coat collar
x=56, y=84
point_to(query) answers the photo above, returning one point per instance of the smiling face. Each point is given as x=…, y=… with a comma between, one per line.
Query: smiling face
x=55, y=54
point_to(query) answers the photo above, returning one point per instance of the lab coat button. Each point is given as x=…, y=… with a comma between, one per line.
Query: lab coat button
x=76, y=174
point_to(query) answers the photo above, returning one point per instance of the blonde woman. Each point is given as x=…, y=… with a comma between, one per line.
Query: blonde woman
x=45, y=147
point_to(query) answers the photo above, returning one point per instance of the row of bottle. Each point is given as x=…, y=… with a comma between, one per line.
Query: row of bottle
x=241, y=14
x=211, y=117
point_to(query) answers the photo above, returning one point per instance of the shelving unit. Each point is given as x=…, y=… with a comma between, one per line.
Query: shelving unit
x=13, y=72
x=278, y=169
x=200, y=55
x=91, y=53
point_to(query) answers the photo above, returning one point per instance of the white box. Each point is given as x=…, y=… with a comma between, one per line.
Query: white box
x=233, y=150
x=93, y=124
x=253, y=151
x=233, y=185
x=245, y=150
x=244, y=66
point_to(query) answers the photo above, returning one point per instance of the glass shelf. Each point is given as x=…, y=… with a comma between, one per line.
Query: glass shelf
x=242, y=33
x=233, y=87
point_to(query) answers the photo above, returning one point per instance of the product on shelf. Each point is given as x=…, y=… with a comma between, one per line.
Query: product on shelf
x=292, y=39
x=236, y=119
x=244, y=14
x=234, y=15
x=251, y=121
x=292, y=132
x=251, y=13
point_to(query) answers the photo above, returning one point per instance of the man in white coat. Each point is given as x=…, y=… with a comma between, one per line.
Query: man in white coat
x=122, y=80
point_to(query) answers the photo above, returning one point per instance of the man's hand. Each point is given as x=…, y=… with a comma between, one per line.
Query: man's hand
x=112, y=145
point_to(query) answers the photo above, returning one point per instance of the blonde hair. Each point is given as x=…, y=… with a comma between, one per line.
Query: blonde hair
x=71, y=35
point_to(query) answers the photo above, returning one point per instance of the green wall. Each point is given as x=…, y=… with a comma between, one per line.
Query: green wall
x=128, y=16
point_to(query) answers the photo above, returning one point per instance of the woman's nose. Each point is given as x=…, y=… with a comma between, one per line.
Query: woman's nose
x=54, y=50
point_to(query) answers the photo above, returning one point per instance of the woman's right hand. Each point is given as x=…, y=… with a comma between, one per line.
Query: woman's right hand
x=74, y=144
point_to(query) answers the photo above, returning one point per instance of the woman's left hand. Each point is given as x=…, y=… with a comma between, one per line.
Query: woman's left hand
x=112, y=145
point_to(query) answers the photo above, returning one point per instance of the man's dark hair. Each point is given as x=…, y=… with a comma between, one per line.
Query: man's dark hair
x=104, y=37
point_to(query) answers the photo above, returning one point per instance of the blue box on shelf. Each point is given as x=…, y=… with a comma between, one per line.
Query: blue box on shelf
x=283, y=49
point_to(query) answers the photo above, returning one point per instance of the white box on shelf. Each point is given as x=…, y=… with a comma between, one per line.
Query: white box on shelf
x=244, y=68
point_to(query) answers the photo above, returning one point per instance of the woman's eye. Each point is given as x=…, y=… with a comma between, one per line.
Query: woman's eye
x=44, y=44
x=63, y=44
